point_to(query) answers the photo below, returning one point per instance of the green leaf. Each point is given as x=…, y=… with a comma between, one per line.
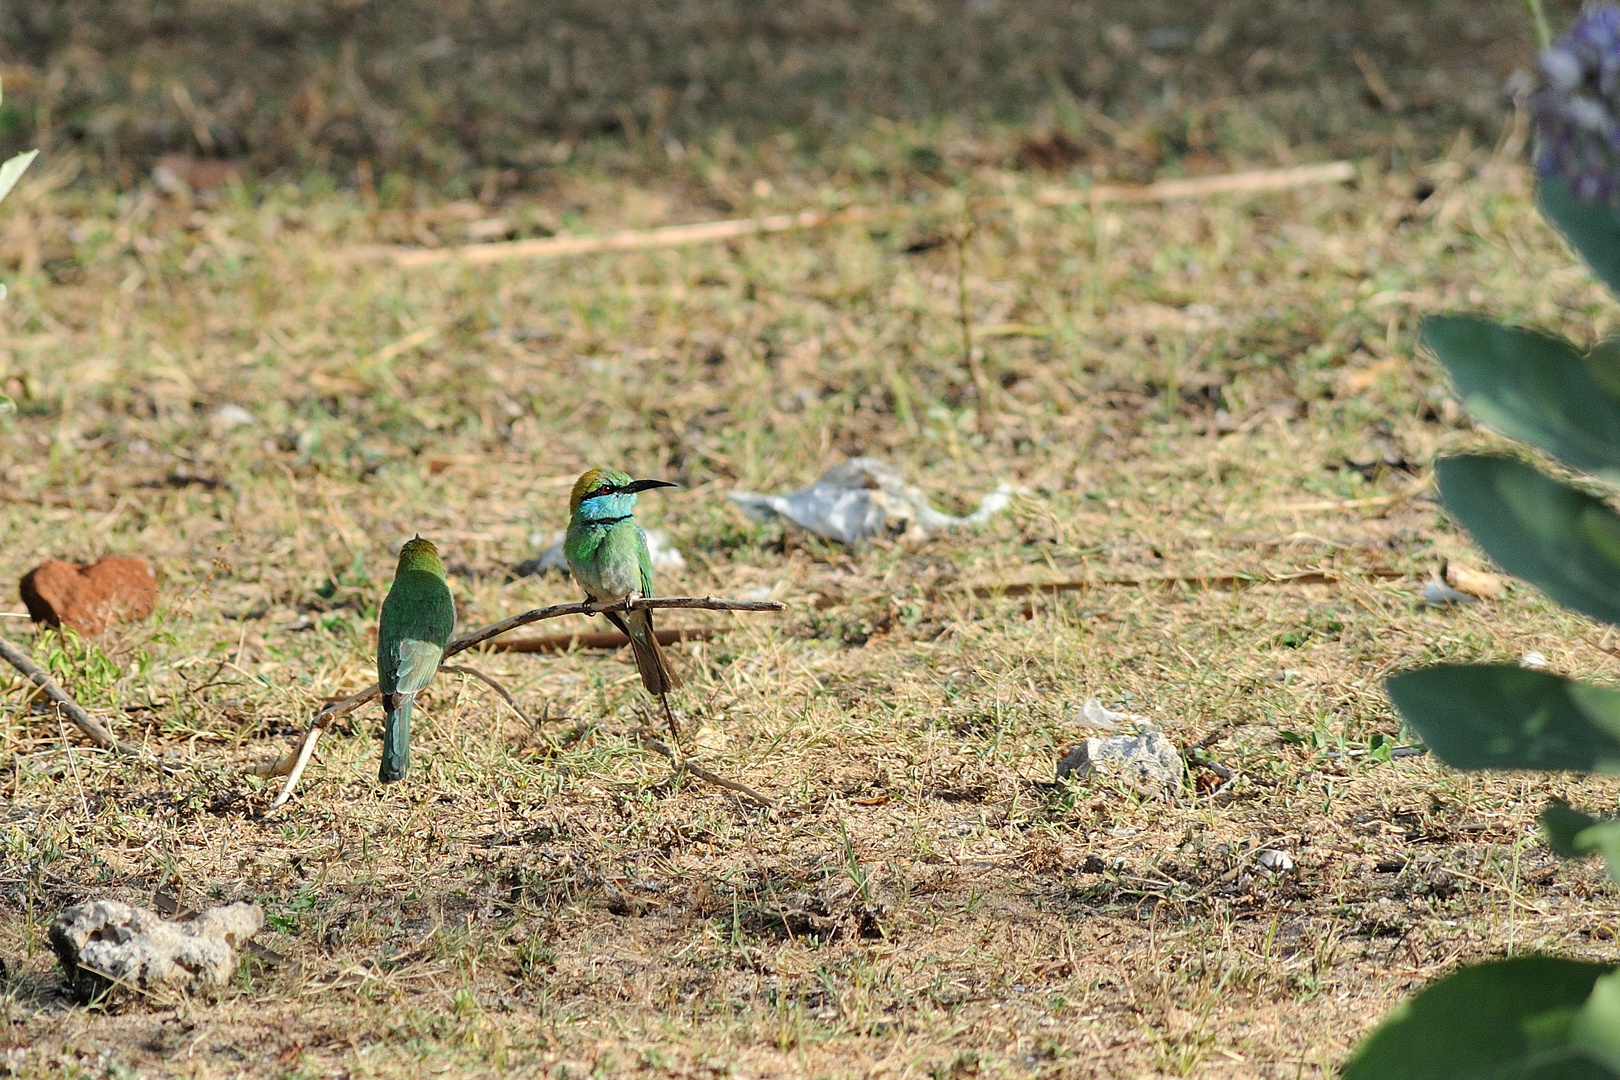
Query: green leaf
x=1519, y=1018
x=1575, y=835
x=1592, y=228
x=1500, y=716
x=13, y=169
x=1564, y=825
x=1603, y=362
x=1596, y=1028
x=1548, y=533
x=1532, y=386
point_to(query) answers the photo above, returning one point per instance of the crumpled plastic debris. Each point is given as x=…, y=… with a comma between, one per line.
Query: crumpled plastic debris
x=863, y=498
x=1455, y=584
x=1275, y=860
x=665, y=556
x=1093, y=714
x=1438, y=594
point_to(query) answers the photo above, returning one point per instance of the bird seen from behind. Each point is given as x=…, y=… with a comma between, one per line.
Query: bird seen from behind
x=417, y=619
x=607, y=554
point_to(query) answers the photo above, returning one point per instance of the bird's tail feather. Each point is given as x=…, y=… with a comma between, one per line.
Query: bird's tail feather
x=656, y=675
x=396, y=755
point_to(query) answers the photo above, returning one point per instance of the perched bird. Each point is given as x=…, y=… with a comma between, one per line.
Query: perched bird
x=417, y=618
x=607, y=554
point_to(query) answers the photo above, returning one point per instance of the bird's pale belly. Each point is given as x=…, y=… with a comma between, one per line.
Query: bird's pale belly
x=610, y=570
x=609, y=582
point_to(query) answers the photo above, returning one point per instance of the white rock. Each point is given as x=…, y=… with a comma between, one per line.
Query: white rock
x=1147, y=758
x=105, y=943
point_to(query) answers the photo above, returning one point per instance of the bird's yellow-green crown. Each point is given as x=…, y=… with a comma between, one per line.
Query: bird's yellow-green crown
x=591, y=482
x=419, y=554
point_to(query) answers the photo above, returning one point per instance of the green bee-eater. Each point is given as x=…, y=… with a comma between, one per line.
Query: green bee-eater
x=607, y=554
x=417, y=618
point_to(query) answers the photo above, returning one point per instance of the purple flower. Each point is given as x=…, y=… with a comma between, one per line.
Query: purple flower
x=1577, y=109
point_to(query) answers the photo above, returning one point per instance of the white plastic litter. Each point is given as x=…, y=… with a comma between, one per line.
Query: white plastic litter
x=1094, y=715
x=863, y=498
x=1278, y=862
x=1533, y=660
x=228, y=416
x=1438, y=594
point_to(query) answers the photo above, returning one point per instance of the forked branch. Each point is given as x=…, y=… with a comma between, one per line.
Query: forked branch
x=292, y=765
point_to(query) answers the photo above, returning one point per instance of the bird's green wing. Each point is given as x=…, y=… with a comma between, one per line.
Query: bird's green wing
x=644, y=557
x=418, y=662
x=416, y=622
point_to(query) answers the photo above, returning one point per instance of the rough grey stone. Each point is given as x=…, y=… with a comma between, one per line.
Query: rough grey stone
x=1147, y=758
x=105, y=943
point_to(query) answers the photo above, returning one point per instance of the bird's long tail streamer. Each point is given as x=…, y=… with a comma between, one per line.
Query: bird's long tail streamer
x=396, y=755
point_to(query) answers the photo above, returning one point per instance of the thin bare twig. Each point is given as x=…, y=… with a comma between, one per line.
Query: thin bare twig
x=975, y=369
x=703, y=232
x=292, y=765
x=462, y=669
x=1539, y=15
x=700, y=772
x=74, y=712
x=1243, y=183
x=1224, y=582
x=708, y=232
x=1377, y=85
x=597, y=639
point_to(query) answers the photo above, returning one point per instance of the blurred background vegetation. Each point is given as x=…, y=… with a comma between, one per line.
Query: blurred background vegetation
x=495, y=95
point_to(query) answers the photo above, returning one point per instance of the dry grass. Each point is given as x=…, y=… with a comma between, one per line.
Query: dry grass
x=923, y=901
x=491, y=95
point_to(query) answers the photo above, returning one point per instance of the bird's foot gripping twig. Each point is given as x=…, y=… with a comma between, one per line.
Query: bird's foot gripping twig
x=292, y=765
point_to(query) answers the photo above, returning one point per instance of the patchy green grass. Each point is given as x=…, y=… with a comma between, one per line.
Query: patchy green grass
x=1198, y=390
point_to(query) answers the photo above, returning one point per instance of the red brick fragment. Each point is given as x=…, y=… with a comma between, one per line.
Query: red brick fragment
x=90, y=598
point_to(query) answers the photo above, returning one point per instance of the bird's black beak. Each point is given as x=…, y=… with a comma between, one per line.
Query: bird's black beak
x=643, y=485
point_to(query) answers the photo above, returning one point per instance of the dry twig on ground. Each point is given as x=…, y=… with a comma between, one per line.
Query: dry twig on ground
x=700, y=772
x=72, y=709
x=462, y=669
x=709, y=232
